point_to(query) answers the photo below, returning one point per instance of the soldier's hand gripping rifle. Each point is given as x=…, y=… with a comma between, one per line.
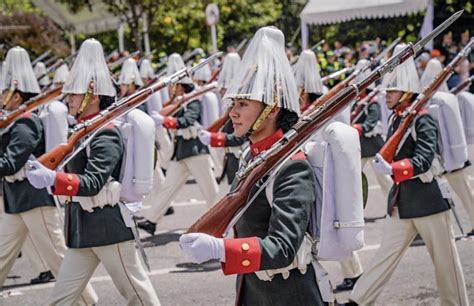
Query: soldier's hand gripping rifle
x=463, y=85
x=30, y=105
x=220, y=218
x=55, y=157
x=390, y=147
x=339, y=86
x=181, y=101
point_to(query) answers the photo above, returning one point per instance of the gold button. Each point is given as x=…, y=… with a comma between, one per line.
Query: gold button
x=245, y=246
x=255, y=150
x=405, y=172
x=246, y=263
x=69, y=177
x=403, y=164
x=219, y=143
x=69, y=188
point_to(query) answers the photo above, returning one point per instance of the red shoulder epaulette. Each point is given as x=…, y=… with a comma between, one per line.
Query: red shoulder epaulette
x=27, y=115
x=424, y=111
x=299, y=156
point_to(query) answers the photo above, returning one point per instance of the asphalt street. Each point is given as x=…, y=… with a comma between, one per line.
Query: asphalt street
x=179, y=282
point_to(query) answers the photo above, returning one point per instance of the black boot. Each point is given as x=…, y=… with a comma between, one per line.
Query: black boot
x=43, y=277
x=169, y=211
x=471, y=233
x=347, y=284
x=147, y=226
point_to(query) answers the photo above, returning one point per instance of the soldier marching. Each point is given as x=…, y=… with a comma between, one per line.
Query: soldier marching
x=216, y=125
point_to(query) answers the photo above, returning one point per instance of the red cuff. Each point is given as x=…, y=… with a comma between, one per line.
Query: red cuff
x=359, y=129
x=218, y=139
x=242, y=255
x=66, y=184
x=170, y=123
x=402, y=170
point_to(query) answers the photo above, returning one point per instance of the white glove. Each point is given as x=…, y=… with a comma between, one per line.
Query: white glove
x=158, y=118
x=204, y=137
x=202, y=247
x=381, y=166
x=40, y=176
x=71, y=120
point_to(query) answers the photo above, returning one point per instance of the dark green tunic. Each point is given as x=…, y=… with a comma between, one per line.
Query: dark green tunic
x=185, y=118
x=368, y=119
x=24, y=138
x=280, y=229
x=105, y=225
x=413, y=197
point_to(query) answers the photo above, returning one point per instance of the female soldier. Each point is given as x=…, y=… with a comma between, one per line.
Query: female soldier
x=270, y=234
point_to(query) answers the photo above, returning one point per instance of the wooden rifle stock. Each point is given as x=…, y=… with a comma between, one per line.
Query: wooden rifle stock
x=389, y=149
x=30, y=105
x=220, y=217
x=172, y=108
x=463, y=85
x=216, y=125
x=214, y=75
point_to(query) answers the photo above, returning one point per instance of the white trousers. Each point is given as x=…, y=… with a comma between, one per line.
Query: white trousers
x=176, y=175
x=352, y=267
x=44, y=228
x=166, y=147
x=459, y=184
x=438, y=235
x=121, y=262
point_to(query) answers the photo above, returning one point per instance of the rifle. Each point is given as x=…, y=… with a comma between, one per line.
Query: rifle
x=109, y=56
x=53, y=67
x=362, y=105
x=339, y=86
x=53, y=158
x=30, y=105
x=173, y=108
x=50, y=60
x=313, y=48
x=41, y=57
x=337, y=74
x=219, y=122
x=121, y=60
x=389, y=149
x=463, y=85
x=220, y=218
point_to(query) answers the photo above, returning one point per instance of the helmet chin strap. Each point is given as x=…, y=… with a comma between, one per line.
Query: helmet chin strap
x=10, y=93
x=87, y=97
x=261, y=118
x=405, y=98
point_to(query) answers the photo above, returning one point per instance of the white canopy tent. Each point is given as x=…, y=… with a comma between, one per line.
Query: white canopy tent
x=85, y=21
x=321, y=12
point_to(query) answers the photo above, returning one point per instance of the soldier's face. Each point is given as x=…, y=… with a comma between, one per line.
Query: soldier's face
x=74, y=103
x=393, y=97
x=243, y=114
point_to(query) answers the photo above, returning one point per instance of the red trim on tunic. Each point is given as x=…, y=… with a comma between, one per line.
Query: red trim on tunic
x=402, y=170
x=28, y=115
x=242, y=255
x=66, y=184
x=170, y=123
x=266, y=143
x=299, y=156
x=218, y=139
x=359, y=129
x=82, y=119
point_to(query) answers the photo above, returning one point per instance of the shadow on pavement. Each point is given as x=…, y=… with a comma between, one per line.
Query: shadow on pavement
x=190, y=267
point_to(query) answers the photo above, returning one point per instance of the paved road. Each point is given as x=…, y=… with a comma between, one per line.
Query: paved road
x=179, y=282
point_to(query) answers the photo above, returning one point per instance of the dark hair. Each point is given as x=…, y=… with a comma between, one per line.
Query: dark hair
x=187, y=87
x=105, y=101
x=313, y=96
x=25, y=96
x=286, y=119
